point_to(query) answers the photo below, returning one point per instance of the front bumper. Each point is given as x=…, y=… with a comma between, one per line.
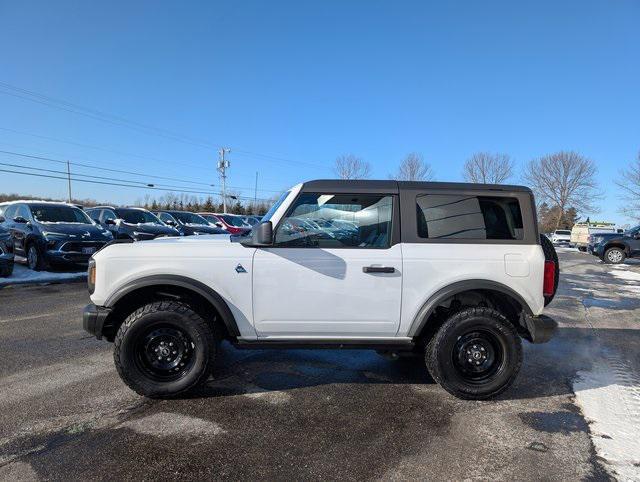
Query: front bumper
x=93, y=319
x=72, y=252
x=541, y=328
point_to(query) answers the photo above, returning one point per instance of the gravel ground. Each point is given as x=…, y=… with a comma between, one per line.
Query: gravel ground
x=314, y=414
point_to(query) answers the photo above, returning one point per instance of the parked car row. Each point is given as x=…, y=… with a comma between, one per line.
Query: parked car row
x=614, y=248
x=54, y=234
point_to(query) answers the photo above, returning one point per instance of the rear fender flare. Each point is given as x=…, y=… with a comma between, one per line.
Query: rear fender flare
x=421, y=318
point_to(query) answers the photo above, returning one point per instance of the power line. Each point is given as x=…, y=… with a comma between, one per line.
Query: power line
x=90, y=166
x=95, y=114
x=104, y=149
x=64, y=177
x=135, y=183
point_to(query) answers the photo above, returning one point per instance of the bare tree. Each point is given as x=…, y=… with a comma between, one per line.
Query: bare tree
x=352, y=167
x=413, y=168
x=487, y=168
x=563, y=179
x=629, y=182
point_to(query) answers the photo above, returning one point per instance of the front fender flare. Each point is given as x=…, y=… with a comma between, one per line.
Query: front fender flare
x=183, y=282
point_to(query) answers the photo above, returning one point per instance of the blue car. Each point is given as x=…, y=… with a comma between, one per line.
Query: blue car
x=52, y=234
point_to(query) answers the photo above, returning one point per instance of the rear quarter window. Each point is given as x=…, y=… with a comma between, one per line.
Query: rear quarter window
x=449, y=216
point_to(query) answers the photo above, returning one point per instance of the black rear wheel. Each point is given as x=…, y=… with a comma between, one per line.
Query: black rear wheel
x=475, y=355
x=164, y=349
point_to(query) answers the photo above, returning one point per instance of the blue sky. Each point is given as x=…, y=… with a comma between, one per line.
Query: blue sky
x=308, y=81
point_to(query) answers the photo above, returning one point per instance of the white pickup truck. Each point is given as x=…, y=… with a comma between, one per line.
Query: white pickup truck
x=456, y=273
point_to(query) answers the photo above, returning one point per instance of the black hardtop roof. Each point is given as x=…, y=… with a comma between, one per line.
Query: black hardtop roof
x=393, y=187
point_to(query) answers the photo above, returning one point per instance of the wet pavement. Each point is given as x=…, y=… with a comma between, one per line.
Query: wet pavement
x=322, y=414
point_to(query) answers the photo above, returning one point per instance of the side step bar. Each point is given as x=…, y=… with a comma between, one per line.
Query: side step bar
x=329, y=344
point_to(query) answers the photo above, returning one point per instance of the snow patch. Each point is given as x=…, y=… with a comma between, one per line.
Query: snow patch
x=274, y=397
x=609, y=396
x=165, y=424
x=23, y=275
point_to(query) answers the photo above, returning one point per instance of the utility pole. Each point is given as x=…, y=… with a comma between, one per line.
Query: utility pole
x=69, y=180
x=255, y=194
x=223, y=165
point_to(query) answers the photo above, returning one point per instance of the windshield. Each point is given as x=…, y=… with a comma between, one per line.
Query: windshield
x=189, y=218
x=275, y=206
x=210, y=218
x=633, y=230
x=59, y=214
x=234, y=221
x=137, y=216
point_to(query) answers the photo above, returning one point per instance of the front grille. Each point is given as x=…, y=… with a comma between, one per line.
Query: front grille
x=76, y=246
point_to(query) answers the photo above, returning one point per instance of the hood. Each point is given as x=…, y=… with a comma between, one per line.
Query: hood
x=152, y=228
x=202, y=228
x=216, y=238
x=74, y=231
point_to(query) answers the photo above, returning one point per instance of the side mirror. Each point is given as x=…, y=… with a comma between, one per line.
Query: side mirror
x=2, y=219
x=20, y=219
x=219, y=225
x=261, y=235
x=110, y=222
x=636, y=236
x=170, y=223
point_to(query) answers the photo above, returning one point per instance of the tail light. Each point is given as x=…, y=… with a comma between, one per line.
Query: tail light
x=549, y=278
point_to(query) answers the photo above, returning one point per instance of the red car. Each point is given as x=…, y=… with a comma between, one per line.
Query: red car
x=232, y=223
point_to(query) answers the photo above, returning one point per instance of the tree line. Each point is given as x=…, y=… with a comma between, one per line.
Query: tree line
x=185, y=202
x=565, y=183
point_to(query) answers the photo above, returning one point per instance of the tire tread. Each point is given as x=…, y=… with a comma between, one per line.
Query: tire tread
x=159, y=306
x=432, y=352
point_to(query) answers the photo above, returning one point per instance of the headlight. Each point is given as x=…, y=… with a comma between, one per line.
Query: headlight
x=91, y=276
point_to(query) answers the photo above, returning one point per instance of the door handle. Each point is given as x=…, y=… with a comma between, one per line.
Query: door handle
x=378, y=269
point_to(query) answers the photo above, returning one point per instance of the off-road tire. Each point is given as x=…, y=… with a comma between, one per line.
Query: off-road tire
x=158, y=315
x=550, y=255
x=614, y=255
x=442, y=350
x=36, y=263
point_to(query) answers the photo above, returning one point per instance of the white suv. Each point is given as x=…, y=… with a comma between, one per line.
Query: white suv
x=561, y=236
x=456, y=273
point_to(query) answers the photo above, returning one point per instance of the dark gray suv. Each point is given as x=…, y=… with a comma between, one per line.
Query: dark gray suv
x=130, y=223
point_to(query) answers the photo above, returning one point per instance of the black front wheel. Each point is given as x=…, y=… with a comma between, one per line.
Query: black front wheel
x=35, y=260
x=476, y=354
x=164, y=349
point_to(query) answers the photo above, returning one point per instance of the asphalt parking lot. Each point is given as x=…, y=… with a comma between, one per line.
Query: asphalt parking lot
x=574, y=412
